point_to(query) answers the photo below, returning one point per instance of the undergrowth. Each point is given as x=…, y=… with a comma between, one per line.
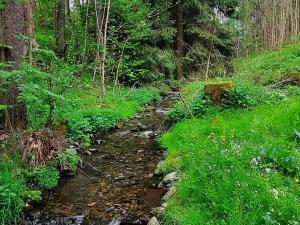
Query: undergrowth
x=195, y=103
x=271, y=65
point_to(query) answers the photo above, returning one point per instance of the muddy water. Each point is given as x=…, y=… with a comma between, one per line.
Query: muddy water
x=116, y=184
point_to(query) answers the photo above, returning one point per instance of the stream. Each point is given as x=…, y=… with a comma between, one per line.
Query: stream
x=116, y=184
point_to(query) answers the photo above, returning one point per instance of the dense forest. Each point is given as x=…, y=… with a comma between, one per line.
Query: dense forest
x=122, y=112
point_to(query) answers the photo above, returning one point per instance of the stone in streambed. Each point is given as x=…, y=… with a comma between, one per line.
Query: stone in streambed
x=153, y=221
x=169, y=194
x=170, y=178
x=117, y=220
x=147, y=134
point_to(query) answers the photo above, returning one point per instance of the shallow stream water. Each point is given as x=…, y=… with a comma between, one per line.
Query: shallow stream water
x=116, y=184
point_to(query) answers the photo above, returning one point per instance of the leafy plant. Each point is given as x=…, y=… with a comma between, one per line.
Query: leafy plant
x=44, y=177
x=242, y=96
x=69, y=159
x=12, y=187
x=33, y=195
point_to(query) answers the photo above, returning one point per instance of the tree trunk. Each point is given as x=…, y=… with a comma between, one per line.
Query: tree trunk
x=13, y=49
x=29, y=27
x=60, y=27
x=179, y=41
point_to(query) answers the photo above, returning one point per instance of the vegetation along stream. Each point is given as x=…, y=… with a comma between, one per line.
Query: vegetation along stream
x=116, y=184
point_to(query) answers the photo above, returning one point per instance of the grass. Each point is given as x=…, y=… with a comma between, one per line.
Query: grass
x=241, y=167
x=271, y=65
x=12, y=191
x=82, y=110
x=86, y=113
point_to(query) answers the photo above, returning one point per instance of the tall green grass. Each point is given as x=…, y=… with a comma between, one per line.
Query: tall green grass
x=12, y=191
x=271, y=65
x=241, y=167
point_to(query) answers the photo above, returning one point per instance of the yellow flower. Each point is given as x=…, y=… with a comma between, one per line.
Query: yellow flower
x=210, y=136
x=223, y=138
x=297, y=180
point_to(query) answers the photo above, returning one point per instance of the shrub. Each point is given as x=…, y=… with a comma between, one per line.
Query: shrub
x=69, y=159
x=241, y=96
x=33, y=195
x=12, y=187
x=44, y=177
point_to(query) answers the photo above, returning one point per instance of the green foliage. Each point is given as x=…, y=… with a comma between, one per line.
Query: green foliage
x=241, y=167
x=241, y=96
x=45, y=177
x=160, y=64
x=195, y=103
x=69, y=159
x=271, y=66
x=85, y=113
x=33, y=195
x=12, y=188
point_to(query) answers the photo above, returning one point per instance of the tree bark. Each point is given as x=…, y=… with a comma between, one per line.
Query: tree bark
x=60, y=27
x=179, y=40
x=13, y=48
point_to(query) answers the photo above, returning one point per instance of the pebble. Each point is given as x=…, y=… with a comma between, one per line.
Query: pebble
x=170, y=178
x=153, y=221
x=147, y=134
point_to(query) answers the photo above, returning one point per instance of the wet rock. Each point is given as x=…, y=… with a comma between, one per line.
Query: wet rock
x=160, y=185
x=93, y=150
x=99, y=141
x=160, y=111
x=147, y=134
x=153, y=221
x=123, y=133
x=161, y=209
x=87, y=152
x=170, y=193
x=92, y=204
x=170, y=178
x=79, y=219
x=117, y=220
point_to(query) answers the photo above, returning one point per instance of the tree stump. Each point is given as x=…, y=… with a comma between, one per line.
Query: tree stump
x=215, y=91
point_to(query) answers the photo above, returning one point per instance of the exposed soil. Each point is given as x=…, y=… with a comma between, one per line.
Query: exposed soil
x=116, y=184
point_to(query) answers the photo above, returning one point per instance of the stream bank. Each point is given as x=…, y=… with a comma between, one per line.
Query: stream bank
x=116, y=183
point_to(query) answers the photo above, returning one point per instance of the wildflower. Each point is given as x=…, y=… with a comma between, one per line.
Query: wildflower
x=297, y=180
x=210, y=136
x=223, y=138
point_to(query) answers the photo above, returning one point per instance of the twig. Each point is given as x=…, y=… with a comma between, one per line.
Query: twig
x=186, y=106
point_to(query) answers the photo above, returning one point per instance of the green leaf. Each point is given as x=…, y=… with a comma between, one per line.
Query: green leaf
x=3, y=107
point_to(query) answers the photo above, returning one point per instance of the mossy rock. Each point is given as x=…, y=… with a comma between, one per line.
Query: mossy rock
x=215, y=90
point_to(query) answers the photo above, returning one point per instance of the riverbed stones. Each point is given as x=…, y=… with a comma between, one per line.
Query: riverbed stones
x=117, y=220
x=170, y=178
x=153, y=221
x=170, y=193
x=147, y=134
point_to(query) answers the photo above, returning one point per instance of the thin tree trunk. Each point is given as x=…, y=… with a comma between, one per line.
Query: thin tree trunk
x=179, y=40
x=105, y=48
x=29, y=27
x=60, y=27
x=208, y=64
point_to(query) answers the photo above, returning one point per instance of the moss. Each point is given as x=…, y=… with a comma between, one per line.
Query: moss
x=215, y=91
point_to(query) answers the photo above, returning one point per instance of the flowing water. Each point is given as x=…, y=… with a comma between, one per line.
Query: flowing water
x=116, y=183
